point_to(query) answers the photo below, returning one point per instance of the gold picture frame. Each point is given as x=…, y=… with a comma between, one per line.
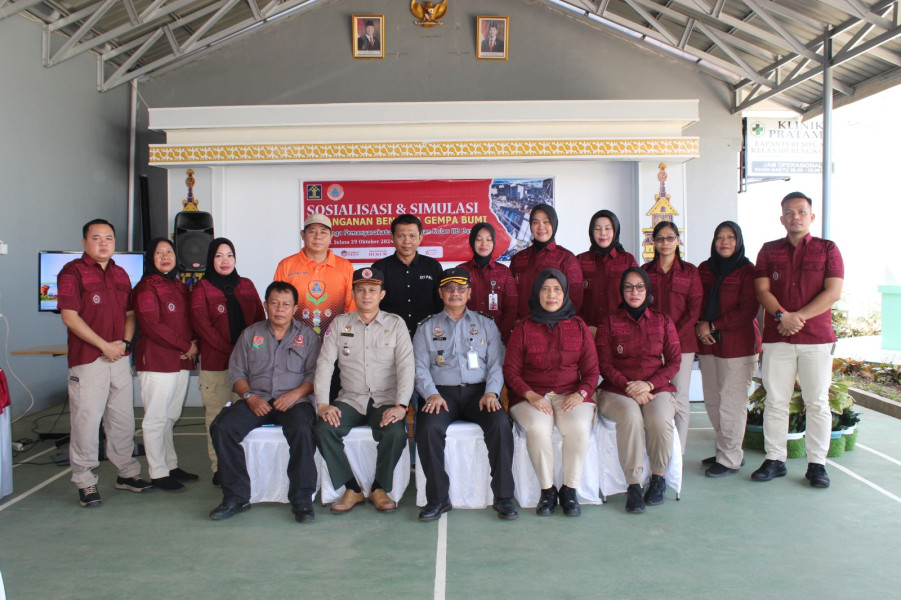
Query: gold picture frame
x=492, y=37
x=368, y=35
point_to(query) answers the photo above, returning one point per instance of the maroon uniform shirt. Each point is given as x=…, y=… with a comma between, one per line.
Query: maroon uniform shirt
x=493, y=278
x=737, y=320
x=562, y=360
x=100, y=297
x=797, y=275
x=162, y=308
x=602, y=275
x=527, y=264
x=209, y=318
x=630, y=350
x=678, y=294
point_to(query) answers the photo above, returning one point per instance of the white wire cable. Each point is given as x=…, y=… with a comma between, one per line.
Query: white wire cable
x=12, y=372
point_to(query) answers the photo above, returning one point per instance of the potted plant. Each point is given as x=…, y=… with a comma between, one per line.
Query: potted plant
x=797, y=421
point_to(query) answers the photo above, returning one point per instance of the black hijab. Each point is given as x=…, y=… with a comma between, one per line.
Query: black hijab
x=613, y=221
x=228, y=284
x=539, y=314
x=722, y=267
x=552, y=217
x=481, y=261
x=150, y=268
x=637, y=311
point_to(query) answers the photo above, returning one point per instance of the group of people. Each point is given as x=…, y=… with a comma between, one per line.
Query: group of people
x=337, y=348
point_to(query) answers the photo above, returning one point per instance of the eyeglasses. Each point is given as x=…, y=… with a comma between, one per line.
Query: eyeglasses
x=458, y=289
x=669, y=239
x=638, y=287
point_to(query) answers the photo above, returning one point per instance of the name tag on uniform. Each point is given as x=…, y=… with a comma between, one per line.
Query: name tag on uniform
x=472, y=359
x=492, y=301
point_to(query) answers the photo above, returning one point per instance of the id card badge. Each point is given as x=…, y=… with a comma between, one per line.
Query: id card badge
x=492, y=301
x=472, y=359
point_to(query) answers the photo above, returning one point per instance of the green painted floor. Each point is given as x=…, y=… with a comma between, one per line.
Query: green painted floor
x=726, y=538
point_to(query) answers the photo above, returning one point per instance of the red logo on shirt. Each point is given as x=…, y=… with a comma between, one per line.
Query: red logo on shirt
x=298, y=341
x=171, y=307
x=221, y=308
x=96, y=298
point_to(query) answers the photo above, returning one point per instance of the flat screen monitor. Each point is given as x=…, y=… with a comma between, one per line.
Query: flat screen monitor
x=51, y=262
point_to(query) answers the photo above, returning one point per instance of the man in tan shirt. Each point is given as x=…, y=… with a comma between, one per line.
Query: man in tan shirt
x=375, y=358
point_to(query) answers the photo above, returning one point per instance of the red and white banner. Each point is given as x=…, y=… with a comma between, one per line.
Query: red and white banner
x=362, y=211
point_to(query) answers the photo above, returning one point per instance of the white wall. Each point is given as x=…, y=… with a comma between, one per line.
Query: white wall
x=63, y=162
x=259, y=207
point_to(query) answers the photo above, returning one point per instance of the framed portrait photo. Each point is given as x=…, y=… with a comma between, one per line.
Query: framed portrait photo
x=493, y=38
x=368, y=36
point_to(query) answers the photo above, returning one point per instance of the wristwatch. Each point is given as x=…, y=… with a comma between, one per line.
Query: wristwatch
x=584, y=394
x=246, y=395
x=778, y=314
x=128, y=345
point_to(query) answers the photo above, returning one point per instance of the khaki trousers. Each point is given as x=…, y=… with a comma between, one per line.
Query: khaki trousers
x=574, y=426
x=163, y=395
x=682, y=381
x=638, y=426
x=215, y=392
x=101, y=391
x=727, y=382
x=812, y=364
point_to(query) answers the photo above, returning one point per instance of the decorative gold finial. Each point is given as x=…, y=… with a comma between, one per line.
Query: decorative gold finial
x=427, y=13
x=190, y=203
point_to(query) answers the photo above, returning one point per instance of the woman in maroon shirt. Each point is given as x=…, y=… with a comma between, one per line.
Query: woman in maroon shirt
x=730, y=343
x=677, y=292
x=544, y=253
x=602, y=268
x=163, y=359
x=493, y=290
x=222, y=305
x=551, y=371
x=638, y=351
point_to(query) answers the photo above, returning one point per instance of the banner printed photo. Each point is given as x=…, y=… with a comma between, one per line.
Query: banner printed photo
x=362, y=211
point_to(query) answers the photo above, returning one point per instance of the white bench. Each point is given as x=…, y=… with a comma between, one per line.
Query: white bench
x=266, y=452
x=613, y=480
x=467, y=467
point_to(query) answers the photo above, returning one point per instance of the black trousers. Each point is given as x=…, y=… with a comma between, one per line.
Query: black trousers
x=229, y=429
x=431, y=432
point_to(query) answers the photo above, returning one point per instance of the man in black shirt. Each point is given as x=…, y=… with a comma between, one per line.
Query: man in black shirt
x=411, y=279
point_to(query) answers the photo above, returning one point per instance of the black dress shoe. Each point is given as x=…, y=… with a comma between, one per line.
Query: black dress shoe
x=569, y=502
x=216, y=481
x=433, y=510
x=656, y=492
x=505, y=508
x=719, y=470
x=168, y=484
x=634, y=499
x=303, y=512
x=546, y=502
x=816, y=474
x=769, y=469
x=177, y=473
x=712, y=459
x=228, y=509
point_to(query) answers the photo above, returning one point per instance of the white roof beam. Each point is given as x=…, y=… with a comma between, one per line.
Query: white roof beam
x=224, y=7
x=83, y=30
x=7, y=9
x=647, y=16
x=861, y=11
x=790, y=39
x=257, y=15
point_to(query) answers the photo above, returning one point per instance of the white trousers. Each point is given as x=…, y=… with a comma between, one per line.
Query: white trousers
x=812, y=364
x=682, y=381
x=163, y=395
x=727, y=382
x=575, y=428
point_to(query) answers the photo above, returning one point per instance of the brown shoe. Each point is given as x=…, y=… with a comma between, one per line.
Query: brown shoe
x=347, y=502
x=381, y=501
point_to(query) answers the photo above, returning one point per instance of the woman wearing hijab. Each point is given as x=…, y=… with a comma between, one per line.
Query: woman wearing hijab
x=544, y=253
x=677, y=292
x=222, y=305
x=602, y=267
x=638, y=351
x=730, y=343
x=493, y=289
x=551, y=371
x=163, y=359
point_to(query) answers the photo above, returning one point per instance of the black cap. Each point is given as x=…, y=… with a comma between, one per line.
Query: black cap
x=457, y=275
x=368, y=275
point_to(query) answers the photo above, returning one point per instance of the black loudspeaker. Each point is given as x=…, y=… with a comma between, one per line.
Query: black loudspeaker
x=193, y=234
